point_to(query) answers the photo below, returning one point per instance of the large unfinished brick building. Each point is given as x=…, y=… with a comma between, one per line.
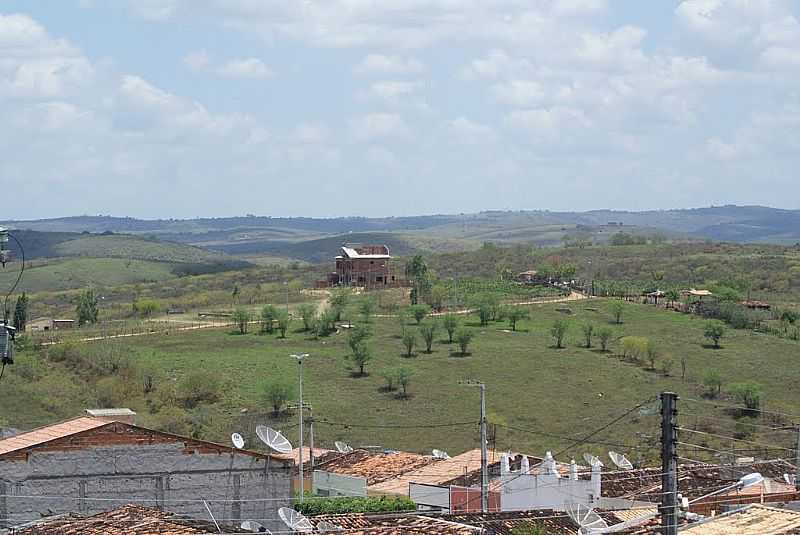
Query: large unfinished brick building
x=367, y=266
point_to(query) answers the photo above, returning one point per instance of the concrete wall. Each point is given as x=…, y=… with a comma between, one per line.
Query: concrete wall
x=99, y=478
x=332, y=484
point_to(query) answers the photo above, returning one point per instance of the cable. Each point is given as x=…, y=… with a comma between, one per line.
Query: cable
x=569, y=439
x=19, y=278
x=795, y=417
x=379, y=426
x=765, y=446
x=782, y=429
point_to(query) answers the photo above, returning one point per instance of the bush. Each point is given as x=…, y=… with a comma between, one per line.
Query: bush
x=428, y=331
x=276, y=392
x=588, y=332
x=268, y=315
x=198, y=387
x=713, y=383
x=418, y=312
x=367, y=309
x=450, y=322
x=325, y=323
x=558, y=331
x=284, y=320
x=146, y=307
x=409, y=341
x=651, y=351
x=403, y=379
x=361, y=355
x=344, y=505
x=604, y=334
x=714, y=331
x=634, y=348
x=390, y=376
x=241, y=317
x=307, y=312
x=748, y=394
x=463, y=338
x=358, y=335
x=617, y=308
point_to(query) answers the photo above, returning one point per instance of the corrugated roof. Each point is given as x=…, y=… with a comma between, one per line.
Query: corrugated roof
x=352, y=253
x=45, y=434
x=751, y=520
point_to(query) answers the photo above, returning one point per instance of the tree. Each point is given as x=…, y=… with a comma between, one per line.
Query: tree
x=307, y=312
x=235, y=294
x=146, y=307
x=617, y=308
x=428, y=331
x=390, y=376
x=367, y=309
x=402, y=320
x=588, y=332
x=357, y=336
x=338, y=301
x=403, y=379
x=634, y=348
x=284, y=320
x=87, y=307
x=604, y=334
x=450, y=322
x=268, y=315
x=558, y=331
x=437, y=296
x=749, y=394
x=651, y=350
x=276, y=392
x=713, y=383
x=325, y=323
x=241, y=317
x=416, y=271
x=409, y=341
x=361, y=355
x=714, y=331
x=671, y=296
x=418, y=312
x=21, y=313
x=515, y=314
x=463, y=338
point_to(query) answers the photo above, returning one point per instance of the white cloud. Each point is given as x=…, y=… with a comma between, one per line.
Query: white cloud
x=393, y=90
x=548, y=121
x=251, y=68
x=470, y=132
x=311, y=133
x=720, y=150
x=378, y=125
x=198, y=60
x=519, y=93
x=381, y=64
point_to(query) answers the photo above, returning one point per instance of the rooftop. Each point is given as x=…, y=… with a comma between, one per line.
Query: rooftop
x=45, y=434
x=436, y=472
x=374, y=467
x=750, y=520
x=395, y=524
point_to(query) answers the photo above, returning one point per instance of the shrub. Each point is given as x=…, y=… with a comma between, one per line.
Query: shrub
x=428, y=331
x=361, y=355
x=634, y=348
x=325, y=323
x=604, y=334
x=198, y=387
x=588, y=332
x=268, y=315
x=390, y=376
x=358, y=335
x=409, y=341
x=307, y=312
x=748, y=394
x=403, y=379
x=714, y=331
x=146, y=307
x=651, y=351
x=713, y=383
x=338, y=301
x=666, y=366
x=463, y=338
x=558, y=331
x=367, y=309
x=276, y=392
x=418, y=312
x=450, y=322
x=343, y=505
x=241, y=317
x=284, y=320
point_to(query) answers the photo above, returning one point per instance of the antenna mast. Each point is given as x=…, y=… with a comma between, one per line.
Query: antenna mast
x=669, y=464
x=484, y=453
x=300, y=358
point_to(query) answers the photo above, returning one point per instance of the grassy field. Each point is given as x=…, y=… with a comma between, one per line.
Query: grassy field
x=531, y=386
x=134, y=247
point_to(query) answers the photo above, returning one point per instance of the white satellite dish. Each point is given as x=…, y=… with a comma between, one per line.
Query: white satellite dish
x=238, y=440
x=274, y=439
x=592, y=460
x=255, y=527
x=323, y=526
x=296, y=521
x=620, y=460
x=440, y=454
x=585, y=517
x=342, y=447
x=790, y=479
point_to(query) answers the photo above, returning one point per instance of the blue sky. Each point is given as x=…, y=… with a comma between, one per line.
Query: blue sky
x=183, y=108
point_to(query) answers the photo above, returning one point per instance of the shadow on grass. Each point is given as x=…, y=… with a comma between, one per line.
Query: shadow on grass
x=552, y=346
x=386, y=389
x=403, y=397
x=460, y=354
x=601, y=351
x=358, y=375
x=710, y=346
x=407, y=356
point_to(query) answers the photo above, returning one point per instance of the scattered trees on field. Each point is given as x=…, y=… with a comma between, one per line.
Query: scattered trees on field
x=604, y=334
x=268, y=315
x=409, y=341
x=241, y=317
x=714, y=331
x=514, y=314
x=86, y=309
x=450, y=322
x=588, y=332
x=428, y=331
x=418, y=312
x=307, y=312
x=463, y=338
x=276, y=393
x=617, y=308
x=558, y=331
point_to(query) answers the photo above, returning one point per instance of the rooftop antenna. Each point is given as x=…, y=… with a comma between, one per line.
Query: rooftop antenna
x=212, y=516
x=323, y=526
x=295, y=521
x=585, y=518
x=274, y=439
x=342, y=447
x=255, y=527
x=592, y=460
x=238, y=440
x=620, y=460
x=790, y=479
x=440, y=454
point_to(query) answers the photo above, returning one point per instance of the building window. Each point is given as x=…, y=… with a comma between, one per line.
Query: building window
x=378, y=279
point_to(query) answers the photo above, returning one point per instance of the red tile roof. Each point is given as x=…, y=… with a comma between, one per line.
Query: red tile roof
x=42, y=435
x=374, y=467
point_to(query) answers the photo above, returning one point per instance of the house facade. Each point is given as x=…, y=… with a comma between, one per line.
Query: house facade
x=367, y=266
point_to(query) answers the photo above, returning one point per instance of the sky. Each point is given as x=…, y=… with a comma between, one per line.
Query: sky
x=186, y=108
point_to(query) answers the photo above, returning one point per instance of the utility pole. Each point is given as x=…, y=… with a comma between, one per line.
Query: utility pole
x=669, y=464
x=300, y=358
x=484, y=453
x=286, y=287
x=797, y=463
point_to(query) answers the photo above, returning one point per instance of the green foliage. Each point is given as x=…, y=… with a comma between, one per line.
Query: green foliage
x=275, y=392
x=419, y=312
x=325, y=323
x=367, y=309
x=488, y=307
x=416, y=271
x=338, y=301
x=748, y=393
x=21, y=312
x=283, y=320
x=358, y=335
x=241, y=317
x=558, y=331
x=604, y=334
x=714, y=331
x=651, y=352
x=390, y=376
x=360, y=356
x=307, y=312
x=463, y=338
x=450, y=323
x=515, y=314
x=726, y=293
x=713, y=383
x=268, y=315
x=146, y=308
x=404, y=379
x=617, y=309
x=588, y=332
x=198, y=387
x=623, y=238
x=666, y=366
x=634, y=348
x=428, y=332
x=344, y=505
x=437, y=297
x=87, y=310
x=409, y=341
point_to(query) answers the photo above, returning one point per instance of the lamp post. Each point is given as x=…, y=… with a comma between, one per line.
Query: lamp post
x=484, y=453
x=300, y=357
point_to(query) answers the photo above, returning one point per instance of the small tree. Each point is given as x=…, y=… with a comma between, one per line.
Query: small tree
x=428, y=331
x=403, y=379
x=390, y=376
x=672, y=296
x=437, y=296
x=325, y=323
x=714, y=331
x=307, y=312
x=338, y=301
x=485, y=310
x=450, y=322
x=358, y=335
x=588, y=332
x=419, y=312
x=515, y=314
x=276, y=393
x=713, y=383
x=463, y=338
x=146, y=307
x=361, y=355
x=268, y=315
x=749, y=394
x=558, y=331
x=241, y=317
x=284, y=320
x=367, y=309
x=21, y=312
x=604, y=334
x=402, y=321
x=666, y=366
x=409, y=341
x=87, y=310
x=617, y=308
x=634, y=348
x=651, y=351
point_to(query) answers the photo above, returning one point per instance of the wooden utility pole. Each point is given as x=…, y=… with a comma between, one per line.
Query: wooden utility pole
x=669, y=464
x=484, y=452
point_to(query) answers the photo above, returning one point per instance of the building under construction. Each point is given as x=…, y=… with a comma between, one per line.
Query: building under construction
x=367, y=266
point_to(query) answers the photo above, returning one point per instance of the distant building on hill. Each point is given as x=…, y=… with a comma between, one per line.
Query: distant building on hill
x=367, y=266
x=50, y=324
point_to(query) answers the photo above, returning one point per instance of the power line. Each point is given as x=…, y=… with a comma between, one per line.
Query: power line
x=765, y=446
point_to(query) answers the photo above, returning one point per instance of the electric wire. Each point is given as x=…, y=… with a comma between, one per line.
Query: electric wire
x=761, y=444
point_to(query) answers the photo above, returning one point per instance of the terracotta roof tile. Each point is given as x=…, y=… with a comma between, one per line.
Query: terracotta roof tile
x=752, y=520
x=45, y=434
x=395, y=524
x=374, y=467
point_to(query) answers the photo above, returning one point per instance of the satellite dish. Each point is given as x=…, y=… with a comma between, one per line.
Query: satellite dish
x=238, y=440
x=255, y=527
x=592, y=460
x=323, y=526
x=342, y=447
x=790, y=479
x=620, y=460
x=274, y=439
x=296, y=521
x=440, y=454
x=585, y=517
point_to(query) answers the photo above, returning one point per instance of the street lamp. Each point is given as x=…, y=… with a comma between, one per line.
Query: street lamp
x=300, y=357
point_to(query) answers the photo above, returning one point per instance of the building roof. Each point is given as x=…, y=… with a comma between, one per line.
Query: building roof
x=750, y=520
x=395, y=524
x=106, y=413
x=435, y=473
x=699, y=293
x=294, y=455
x=351, y=252
x=126, y=520
x=374, y=467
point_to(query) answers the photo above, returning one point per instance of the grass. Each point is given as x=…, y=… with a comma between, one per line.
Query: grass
x=530, y=386
x=134, y=247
